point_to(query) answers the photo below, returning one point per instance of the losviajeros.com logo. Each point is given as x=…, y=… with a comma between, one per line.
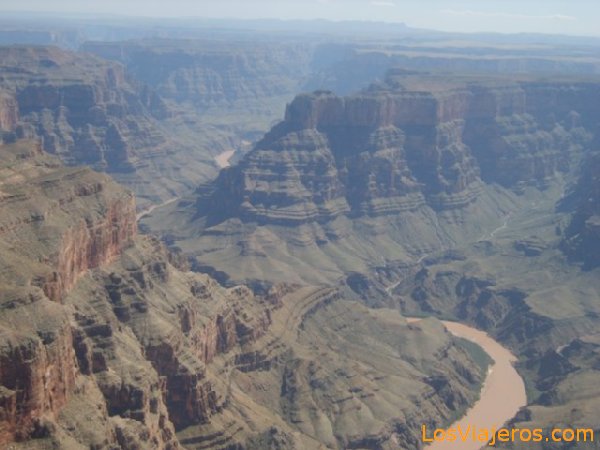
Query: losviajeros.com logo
x=492, y=436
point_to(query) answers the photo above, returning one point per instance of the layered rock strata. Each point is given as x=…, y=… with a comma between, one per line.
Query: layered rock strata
x=385, y=151
x=56, y=225
x=414, y=165
x=90, y=111
x=109, y=341
x=582, y=236
x=209, y=72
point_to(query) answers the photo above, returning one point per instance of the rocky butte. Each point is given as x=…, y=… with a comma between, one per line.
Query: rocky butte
x=108, y=340
x=415, y=165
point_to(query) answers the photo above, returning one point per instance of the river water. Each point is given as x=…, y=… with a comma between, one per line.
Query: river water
x=223, y=158
x=502, y=395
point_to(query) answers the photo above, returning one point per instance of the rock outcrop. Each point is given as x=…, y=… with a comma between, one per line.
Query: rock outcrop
x=9, y=112
x=385, y=151
x=422, y=163
x=528, y=133
x=227, y=89
x=86, y=221
x=56, y=225
x=37, y=364
x=89, y=111
x=582, y=236
x=108, y=341
x=210, y=72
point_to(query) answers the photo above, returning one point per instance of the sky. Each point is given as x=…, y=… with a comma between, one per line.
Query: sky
x=575, y=17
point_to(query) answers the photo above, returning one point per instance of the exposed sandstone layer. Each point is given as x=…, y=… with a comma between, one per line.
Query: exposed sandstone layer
x=407, y=167
x=82, y=212
x=89, y=111
x=359, y=398
x=107, y=340
x=57, y=224
x=226, y=89
x=37, y=364
x=369, y=153
x=65, y=355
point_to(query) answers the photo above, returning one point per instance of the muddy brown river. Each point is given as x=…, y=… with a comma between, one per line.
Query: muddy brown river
x=502, y=395
x=223, y=158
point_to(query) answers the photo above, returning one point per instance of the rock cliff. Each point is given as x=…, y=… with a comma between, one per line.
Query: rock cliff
x=9, y=112
x=56, y=225
x=582, y=236
x=422, y=162
x=226, y=88
x=89, y=111
x=88, y=220
x=108, y=341
x=386, y=151
x=209, y=72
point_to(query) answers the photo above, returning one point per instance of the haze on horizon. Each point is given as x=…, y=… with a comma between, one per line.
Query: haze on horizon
x=572, y=17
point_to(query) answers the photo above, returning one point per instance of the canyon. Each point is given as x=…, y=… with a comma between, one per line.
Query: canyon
x=207, y=72
x=89, y=111
x=248, y=285
x=502, y=394
x=468, y=199
x=110, y=341
x=413, y=167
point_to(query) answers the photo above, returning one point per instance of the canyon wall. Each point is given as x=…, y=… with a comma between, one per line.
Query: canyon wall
x=89, y=111
x=86, y=221
x=212, y=72
x=582, y=236
x=415, y=165
x=107, y=340
x=73, y=275
x=385, y=151
x=37, y=361
x=9, y=112
x=56, y=225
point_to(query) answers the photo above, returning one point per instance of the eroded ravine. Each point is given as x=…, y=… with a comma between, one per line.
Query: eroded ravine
x=502, y=395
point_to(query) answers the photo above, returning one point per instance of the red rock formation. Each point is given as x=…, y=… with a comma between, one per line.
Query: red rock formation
x=141, y=333
x=63, y=223
x=189, y=395
x=87, y=245
x=37, y=374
